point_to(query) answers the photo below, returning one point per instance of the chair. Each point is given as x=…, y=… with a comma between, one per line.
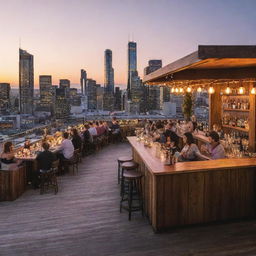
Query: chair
x=73, y=161
x=49, y=179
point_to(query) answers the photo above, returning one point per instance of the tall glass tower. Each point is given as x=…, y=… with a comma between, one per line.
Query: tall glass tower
x=109, y=72
x=132, y=65
x=26, y=82
x=83, y=81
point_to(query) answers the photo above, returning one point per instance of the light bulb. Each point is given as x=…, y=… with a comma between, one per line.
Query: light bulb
x=211, y=90
x=177, y=90
x=241, y=90
x=253, y=90
x=228, y=90
x=199, y=89
x=189, y=89
x=181, y=90
x=172, y=90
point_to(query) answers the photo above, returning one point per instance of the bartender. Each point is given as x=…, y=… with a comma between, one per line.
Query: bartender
x=214, y=149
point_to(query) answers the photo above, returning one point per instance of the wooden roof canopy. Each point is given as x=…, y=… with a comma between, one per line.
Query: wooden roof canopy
x=209, y=62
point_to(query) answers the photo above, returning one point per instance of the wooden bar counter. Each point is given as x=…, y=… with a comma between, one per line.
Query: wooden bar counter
x=12, y=183
x=195, y=192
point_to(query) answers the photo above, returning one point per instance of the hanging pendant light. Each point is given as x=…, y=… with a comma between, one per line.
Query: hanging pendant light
x=228, y=90
x=241, y=90
x=172, y=90
x=199, y=89
x=177, y=90
x=211, y=90
x=189, y=89
x=253, y=91
x=181, y=90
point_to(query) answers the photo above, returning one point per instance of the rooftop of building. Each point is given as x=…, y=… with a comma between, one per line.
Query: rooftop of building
x=84, y=219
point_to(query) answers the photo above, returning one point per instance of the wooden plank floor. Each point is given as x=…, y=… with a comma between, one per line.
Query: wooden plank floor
x=84, y=219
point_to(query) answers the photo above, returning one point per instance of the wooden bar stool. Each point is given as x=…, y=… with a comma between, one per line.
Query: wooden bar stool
x=127, y=166
x=133, y=193
x=120, y=161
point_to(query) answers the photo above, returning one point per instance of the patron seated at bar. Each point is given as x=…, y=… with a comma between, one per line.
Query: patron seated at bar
x=214, y=149
x=8, y=160
x=66, y=148
x=190, y=151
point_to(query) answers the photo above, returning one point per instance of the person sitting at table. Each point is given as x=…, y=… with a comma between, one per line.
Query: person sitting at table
x=76, y=139
x=66, y=148
x=92, y=129
x=44, y=163
x=190, y=151
x=7, y=157
x=27, y=144
x=214, y=149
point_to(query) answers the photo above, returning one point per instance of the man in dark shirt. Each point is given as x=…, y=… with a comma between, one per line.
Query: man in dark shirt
x=44, y=163
x=45, y=158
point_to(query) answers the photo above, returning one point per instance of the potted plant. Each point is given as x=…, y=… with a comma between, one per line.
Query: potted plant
x=187, y=105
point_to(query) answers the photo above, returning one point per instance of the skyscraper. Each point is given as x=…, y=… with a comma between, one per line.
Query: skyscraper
x=46, y=92
x=83, y=81
x=153, y=65
x=26, y=82
x=91, y=94
x=62, y=105
x=4, y=98
x=109, y=72
x=132, y=65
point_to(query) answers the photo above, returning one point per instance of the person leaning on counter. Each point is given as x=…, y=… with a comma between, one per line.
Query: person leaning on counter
x=214, y=149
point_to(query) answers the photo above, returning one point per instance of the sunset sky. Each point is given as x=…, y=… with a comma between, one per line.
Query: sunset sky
x=65, y=36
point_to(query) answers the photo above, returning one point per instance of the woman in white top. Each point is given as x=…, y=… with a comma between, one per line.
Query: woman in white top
x=190, y=151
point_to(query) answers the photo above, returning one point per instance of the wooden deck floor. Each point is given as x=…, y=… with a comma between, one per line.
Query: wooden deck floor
x=84, y=219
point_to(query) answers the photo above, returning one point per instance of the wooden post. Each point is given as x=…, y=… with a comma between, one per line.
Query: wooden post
x=252, y=116
x=215, y=107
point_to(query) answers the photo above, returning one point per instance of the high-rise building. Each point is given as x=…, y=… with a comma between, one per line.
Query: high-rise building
x=4, y=98
x=118, y=99
x=83, y=81
x=132, y=65
x=91, y=89
x=75, y=98
x=26, y=82
x=46, y=93
x=153, y=65
x=164, y=95
x=153, y=97
x=65, y=84
x=62, y=104
x=109, y=72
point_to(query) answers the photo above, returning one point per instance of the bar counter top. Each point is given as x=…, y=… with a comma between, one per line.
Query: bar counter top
x=157, y=167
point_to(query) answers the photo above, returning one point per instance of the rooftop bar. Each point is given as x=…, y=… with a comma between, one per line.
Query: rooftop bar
x=206, y=191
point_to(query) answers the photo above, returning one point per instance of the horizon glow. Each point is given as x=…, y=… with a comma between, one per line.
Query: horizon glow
x=66, y=36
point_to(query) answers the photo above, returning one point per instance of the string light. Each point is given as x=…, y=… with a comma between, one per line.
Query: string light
x=177, y=90
x=228, y=90
x=181, y=90
x=189, y=89
x=199, y=89
x=253, y=90
x=211, y=90
x=172, y=90
x=241, y=90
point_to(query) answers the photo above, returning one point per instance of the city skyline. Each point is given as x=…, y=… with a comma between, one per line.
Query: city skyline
x=63, y=46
